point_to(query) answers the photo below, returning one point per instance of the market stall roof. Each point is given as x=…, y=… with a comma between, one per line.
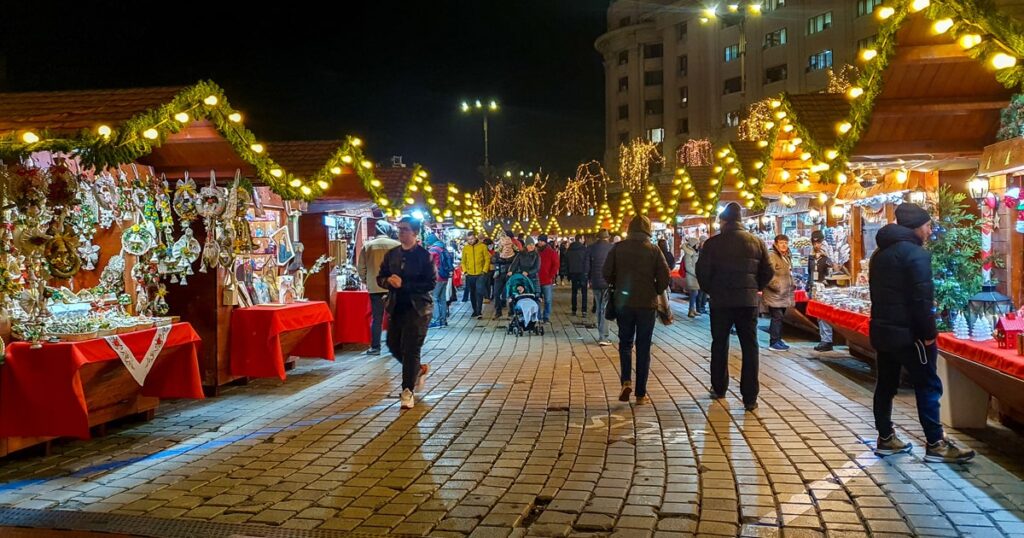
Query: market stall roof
x=818, y=113
x=348, y=193
x=174, y=129
x=935, y=99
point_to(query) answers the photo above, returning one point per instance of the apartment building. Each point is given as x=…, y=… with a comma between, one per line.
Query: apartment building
x=673, y=72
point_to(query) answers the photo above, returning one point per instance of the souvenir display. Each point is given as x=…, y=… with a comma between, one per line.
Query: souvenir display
x=186, y=199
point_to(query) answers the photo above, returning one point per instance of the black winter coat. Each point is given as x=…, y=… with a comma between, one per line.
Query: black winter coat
x=419, y=276
x=597, y=254
x=576, y=260
x=733, y=267
x=902, y=290
x=637, y=270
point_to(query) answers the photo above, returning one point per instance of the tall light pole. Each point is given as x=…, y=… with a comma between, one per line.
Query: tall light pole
x=734, y=13
x=484, y=109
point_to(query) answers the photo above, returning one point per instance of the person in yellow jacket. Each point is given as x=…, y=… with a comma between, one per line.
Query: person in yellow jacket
x=476, y=263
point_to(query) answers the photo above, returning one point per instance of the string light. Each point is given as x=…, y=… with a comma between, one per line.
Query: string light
x=151, y=134
x=868, y=54
x=105, y=131
x=854, y=92
x=695, y=152
x=181, y=117
x=757, y=123
x=844, y=127
x=235, y=117
x=258, y=148
x=1002, y=60
x=942, y=26
x=635, y=162
x=29, y=137
x=211, y=100
x=918, y=5
x=884, y=12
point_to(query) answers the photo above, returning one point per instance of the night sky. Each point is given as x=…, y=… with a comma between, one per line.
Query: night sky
x=390, y=72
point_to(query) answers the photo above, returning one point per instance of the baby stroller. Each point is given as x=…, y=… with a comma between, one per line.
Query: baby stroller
x=523, y=306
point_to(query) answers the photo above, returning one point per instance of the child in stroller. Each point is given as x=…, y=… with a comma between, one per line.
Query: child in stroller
x=523, y=305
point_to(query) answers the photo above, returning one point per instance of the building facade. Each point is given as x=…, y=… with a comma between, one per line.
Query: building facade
x=672, y=73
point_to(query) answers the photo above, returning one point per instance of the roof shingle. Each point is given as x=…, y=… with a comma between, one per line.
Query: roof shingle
x=72, y=111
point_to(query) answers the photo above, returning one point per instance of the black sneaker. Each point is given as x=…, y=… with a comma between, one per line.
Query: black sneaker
x=373, y=351
x=716, y=396
x=945, y=451
x=824, y=346
x=750, y=408
x=887, y=446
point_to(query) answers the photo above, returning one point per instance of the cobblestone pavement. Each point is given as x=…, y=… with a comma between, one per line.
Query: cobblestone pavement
x=525, y=436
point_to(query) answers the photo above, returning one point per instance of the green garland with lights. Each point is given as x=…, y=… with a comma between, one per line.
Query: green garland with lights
x=138, y=136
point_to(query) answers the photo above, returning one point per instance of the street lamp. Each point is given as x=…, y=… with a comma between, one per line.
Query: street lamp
x=735, y=13
x=485, y=109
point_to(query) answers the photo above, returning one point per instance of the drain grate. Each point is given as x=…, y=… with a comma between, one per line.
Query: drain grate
x=154, y=527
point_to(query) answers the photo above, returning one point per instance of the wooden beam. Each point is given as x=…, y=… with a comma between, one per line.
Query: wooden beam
x=902, y=148
x=942, y=105
x=930, y=54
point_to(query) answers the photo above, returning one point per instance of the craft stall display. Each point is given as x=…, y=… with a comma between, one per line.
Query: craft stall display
x=68, y=339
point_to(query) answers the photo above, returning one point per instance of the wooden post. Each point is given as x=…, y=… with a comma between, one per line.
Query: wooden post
x=856, y=241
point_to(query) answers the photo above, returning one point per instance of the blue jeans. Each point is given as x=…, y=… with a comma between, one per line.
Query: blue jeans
x=636, y=325
x=549, y=295
x=919, y=361
x=694, y=302
x=825, y=330
x=440, y=302
x=601, y=295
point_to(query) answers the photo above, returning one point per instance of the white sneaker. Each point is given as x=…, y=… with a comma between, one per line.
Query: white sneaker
x=407, y=399
x=604, y=343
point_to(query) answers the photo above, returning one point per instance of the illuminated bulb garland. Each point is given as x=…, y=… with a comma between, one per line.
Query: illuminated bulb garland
x=695, y=152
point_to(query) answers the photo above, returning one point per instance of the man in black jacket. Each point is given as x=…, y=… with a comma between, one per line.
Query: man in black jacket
x=733, y=267
x=903, y=333
x=409, y=276
x=637, y=271
x=597, y=254
x=577, y=263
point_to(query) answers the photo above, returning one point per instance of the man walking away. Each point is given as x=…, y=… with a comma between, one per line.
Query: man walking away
x=409, y=276
x=903, y=333
x=445, y=267
x=732, y=268
x=597, y=254
x=504, y=255
x=548, y=273
x=637, y=271
x=489, y=275
x=690, y=266
x=368, y=266
x=527, y=263
x=563, y=271
x=670, y=259
x=778, y=296
x=578, y=265
x=476, y=262
x=818, y=265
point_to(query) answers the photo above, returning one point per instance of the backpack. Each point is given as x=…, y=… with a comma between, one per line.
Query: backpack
x=446, y=265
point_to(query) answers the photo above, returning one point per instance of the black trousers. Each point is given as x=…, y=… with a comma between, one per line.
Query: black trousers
x=636, y=327
x=775, y=327
x=919, y=361
x=377, y=307
x=477, y=286
x=406, y=332
x=745, y=321
x=579, y=285
x=498, y=299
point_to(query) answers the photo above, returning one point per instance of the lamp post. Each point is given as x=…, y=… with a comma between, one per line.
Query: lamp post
x=735, y=13
x=485, y=109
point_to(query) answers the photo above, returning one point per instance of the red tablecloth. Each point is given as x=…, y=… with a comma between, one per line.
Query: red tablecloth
x=801, y=296
x=352, y=317
x=256, y=336
x=41, y=392
x=840, y=318
x=986, y=353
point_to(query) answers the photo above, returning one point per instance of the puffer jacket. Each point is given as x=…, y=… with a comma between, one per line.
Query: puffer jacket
x=576, y=261
x=597, y=254
x=733, y=266
x=902, y=290
x=637, y=270
x=779, y=292
x=527, y=262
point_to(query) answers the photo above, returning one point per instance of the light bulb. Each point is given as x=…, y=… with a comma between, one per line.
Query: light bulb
x=211, y=100
x=884, y=12
x=29, y=137
x=258, y=148
x=104, y=131
x=322, y=184
x=276, y=172
x=151, y=134
x=831, y=154
x=294, y=183
x=1002, y=60
x=336, y=170
x=868, y=54
x=854, y=92
x=844, y=127
x=942, y=26
x=182, y=117
x=235, y=117
x=968, y=41
x=918, y=5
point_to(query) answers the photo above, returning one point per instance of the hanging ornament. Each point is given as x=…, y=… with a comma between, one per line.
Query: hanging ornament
x=61, y=250
x=186, y=199
x=90, y=255
x=138, y=239
x=212, y=199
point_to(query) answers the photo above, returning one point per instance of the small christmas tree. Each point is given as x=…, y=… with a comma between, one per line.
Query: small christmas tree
x=982, y=330
x=961, y=330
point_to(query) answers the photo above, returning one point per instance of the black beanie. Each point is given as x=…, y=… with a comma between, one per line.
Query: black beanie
x=732, y=213
x=911, y=216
